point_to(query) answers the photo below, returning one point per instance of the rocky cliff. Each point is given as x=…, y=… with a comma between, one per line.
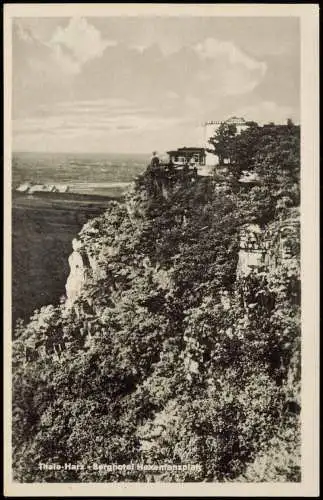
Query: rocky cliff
x=260, y=248
x=178, y=340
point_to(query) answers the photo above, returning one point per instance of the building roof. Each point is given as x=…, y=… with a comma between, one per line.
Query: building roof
x=236, y=120
x=233, y=120
x=185, y=149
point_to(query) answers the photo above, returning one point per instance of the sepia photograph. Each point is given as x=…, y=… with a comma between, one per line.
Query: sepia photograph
x=156, y=209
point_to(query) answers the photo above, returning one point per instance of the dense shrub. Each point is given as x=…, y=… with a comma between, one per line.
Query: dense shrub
x=168, y=355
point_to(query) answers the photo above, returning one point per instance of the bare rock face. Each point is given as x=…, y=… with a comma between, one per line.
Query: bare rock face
x=249, y=260
x=165, y=192
x=135, y=205
x=270, y=246
x=252, y=252
x=76, y=278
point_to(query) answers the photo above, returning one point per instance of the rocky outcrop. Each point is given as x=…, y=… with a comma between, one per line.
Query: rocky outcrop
x=252, y=251
x=135, y=203
x=264, y=248
x=76, y=278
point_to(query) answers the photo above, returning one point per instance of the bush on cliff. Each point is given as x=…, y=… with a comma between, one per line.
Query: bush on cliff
x=168, y=356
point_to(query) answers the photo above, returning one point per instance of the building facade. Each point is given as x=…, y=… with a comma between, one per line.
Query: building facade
x=193, y=157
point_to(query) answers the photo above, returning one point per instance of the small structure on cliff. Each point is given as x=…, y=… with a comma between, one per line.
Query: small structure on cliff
x=187, y=155
x=193, y=157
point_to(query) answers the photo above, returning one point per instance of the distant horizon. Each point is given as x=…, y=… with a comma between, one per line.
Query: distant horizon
x=136, y=153
x=80, y=152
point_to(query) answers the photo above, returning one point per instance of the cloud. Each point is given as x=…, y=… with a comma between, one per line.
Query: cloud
x=37, y=28
x=137, y=84
x=170, y=94
x=61, y=54
x=81, y=39
x=100, y=110
x=66, y=63
x=267, y=111
x=23, y=32
x=192, y=103
x=37, y=62
x=82, y=62
x=100, y=125
x=72, y=121
x=165, y=47
x=233, y=71
x=139, y=48
x=212, y=48
x=102, y=106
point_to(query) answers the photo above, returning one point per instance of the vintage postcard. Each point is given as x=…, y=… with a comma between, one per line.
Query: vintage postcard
x=161, y=250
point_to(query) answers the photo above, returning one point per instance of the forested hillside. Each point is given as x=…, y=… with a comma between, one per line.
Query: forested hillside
x=172, y=354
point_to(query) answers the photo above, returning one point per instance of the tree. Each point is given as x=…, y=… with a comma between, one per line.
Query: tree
x=223, y=142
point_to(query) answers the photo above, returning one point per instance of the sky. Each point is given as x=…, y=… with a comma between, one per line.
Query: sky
x=137, y=84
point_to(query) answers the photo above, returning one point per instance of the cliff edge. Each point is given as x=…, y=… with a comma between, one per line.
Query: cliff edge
x=178, y=343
